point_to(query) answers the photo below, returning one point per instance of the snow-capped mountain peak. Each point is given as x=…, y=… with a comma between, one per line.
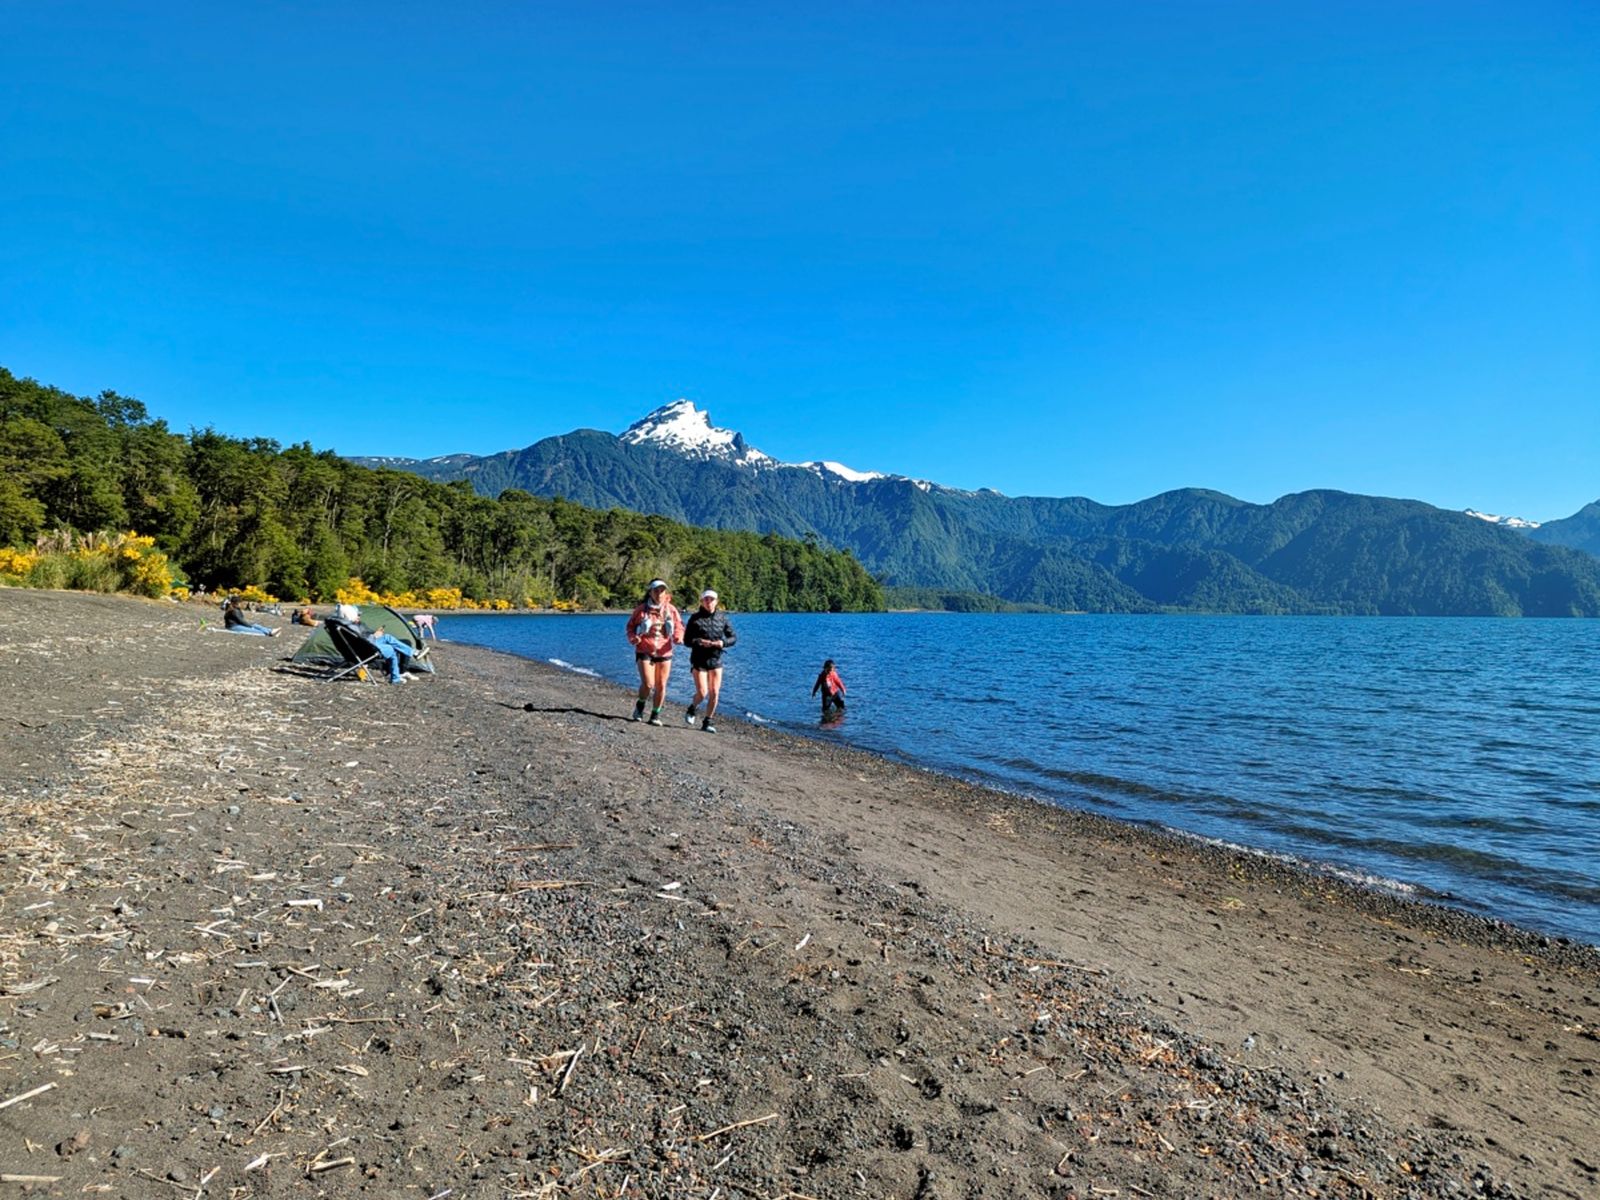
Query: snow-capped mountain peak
x=1507, y=522
x=687, y=430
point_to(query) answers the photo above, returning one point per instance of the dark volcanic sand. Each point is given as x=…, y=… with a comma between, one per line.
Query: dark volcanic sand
x=482, y=936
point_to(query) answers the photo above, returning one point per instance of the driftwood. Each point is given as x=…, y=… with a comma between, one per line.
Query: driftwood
x=42, y=1088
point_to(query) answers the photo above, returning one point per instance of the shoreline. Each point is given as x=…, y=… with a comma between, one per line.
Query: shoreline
x=758, y=962
x=1389, y=890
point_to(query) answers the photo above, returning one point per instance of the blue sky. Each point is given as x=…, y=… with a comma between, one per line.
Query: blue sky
x=1059, y=249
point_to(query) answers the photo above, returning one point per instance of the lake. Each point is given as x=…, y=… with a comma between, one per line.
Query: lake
x=1459, y=757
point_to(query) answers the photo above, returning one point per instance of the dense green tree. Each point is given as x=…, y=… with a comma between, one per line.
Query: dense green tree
x=32, y=460
x=232, y=512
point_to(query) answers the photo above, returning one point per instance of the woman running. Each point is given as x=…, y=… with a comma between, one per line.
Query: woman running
x=709, y=633
x=653, y=630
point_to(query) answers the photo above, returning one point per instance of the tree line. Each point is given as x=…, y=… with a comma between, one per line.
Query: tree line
x=232, y=512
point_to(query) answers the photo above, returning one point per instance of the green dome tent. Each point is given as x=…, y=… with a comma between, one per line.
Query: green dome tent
x=319, y=650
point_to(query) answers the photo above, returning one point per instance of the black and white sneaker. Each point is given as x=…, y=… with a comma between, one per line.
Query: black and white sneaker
x=707, y=727
x=688, y=717
x=655, y=718
x=638, y=712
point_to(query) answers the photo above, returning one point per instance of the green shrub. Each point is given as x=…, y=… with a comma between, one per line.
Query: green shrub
x=49, y=572
x=92, y=573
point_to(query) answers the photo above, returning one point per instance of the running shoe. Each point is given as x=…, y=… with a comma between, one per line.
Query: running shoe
x=707, y=727
x=655, y=718
x=688, y=717
x=638, y=712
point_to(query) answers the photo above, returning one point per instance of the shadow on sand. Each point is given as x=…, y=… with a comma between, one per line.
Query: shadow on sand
x=581, y=712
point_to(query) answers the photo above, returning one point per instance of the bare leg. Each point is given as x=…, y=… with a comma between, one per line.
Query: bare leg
x=713, y=690
x=644, y=686
x=659, y=692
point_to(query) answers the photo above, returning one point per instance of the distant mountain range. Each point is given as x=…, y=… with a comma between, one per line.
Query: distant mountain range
x=1193, y=549
x=1581, y=530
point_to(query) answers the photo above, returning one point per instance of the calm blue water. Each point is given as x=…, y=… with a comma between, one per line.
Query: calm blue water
x=1460, y=756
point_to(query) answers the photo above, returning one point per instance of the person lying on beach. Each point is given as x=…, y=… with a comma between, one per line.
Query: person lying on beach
x=832, y=689
x=234, y=620
x=653, y=631
x=707, y=635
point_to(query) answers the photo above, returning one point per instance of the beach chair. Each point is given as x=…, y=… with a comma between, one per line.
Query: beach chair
x=360, y=657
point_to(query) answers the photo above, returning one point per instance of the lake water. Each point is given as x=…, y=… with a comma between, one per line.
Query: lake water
x=1458, y=756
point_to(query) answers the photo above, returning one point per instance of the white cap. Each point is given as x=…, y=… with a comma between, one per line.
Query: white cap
x=655, y=583
x=708, y=594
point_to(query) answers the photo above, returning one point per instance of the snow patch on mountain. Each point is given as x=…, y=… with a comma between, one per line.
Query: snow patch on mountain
x=385, y=460
x=1506, y=522
x=825, y=467
x=687, y=430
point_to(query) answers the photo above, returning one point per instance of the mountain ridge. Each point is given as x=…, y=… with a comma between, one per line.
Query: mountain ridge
x=1581, y=530
x=1193, y=549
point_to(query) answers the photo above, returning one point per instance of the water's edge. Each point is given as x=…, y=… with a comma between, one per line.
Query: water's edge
x=1416, y=906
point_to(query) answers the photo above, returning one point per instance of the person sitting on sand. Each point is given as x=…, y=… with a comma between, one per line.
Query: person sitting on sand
x=707, y=635
x=653, y=630
x=832, y=689
x=395, y=652
x=234, y=620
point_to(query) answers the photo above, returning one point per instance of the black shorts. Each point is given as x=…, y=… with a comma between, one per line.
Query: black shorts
x=705, y=660
x=655, y=658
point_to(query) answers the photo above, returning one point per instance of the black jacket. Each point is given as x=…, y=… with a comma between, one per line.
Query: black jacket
x=710, y=627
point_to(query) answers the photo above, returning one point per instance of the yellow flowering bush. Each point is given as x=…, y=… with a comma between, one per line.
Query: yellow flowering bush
x=255, y=595
x=150, y=573
x=442, y=598
x=355, y=591
x=16, y=563
x=94, y=562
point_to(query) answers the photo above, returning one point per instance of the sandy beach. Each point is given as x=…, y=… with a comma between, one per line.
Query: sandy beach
x=481, y=936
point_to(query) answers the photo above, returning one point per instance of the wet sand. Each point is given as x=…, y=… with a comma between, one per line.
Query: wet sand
x=482, y=936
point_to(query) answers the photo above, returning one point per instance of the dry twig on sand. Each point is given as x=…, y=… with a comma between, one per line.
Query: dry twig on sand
x=706, y=1137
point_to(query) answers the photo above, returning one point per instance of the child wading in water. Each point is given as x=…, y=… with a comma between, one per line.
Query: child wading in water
x=832, y=689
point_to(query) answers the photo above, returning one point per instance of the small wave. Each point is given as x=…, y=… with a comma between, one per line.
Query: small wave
x=1380, y=882
x=756, y=717
x=1366, y=879
x=576, y=670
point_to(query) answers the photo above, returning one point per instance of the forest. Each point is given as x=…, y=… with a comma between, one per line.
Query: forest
x=298, y=523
